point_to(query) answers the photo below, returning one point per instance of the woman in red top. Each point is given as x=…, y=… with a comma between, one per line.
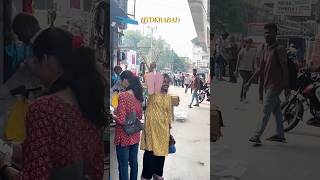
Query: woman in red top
x=127, y=145
x=64, y=129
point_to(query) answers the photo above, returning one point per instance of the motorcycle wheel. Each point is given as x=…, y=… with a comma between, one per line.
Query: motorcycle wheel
x=292, y=114
x=201, y=97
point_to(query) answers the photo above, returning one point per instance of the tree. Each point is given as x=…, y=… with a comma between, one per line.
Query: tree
x=161, y=52
x=230, y=15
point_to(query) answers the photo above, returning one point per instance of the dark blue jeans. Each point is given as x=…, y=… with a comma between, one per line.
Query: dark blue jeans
x=128, y=155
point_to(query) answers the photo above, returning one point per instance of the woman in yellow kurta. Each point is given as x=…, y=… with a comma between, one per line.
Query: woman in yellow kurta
x=155, y=137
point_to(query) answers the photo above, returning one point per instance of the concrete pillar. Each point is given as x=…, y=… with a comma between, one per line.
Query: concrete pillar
x=1, y=42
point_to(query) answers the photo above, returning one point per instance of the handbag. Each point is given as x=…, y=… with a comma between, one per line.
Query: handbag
x=15, y=124
x=132, y=124
x=172, y=147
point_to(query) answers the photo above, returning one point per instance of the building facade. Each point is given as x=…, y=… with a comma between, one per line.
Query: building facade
x=200, y=11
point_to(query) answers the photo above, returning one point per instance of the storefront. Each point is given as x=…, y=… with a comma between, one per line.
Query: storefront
x=119, y=20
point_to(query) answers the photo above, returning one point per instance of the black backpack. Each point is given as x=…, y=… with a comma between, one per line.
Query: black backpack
x=293, y=73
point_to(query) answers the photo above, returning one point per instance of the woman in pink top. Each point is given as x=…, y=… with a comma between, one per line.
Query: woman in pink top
x=127, y=145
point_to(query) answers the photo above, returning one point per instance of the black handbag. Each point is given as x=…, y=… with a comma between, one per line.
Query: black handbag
x=132, y=124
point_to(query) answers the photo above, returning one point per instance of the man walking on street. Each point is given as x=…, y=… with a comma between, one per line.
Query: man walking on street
x=245, y=66
x=233, y=51
x=221, y=56
x=274, y=72
x=187, y=83
x=195, y=86
x=182, y=79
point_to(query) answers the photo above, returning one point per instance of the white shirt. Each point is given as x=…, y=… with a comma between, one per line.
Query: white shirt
x=246, y=59
x=187, y=80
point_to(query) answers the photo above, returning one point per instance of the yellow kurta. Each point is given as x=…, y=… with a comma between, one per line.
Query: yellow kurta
x=155, y=136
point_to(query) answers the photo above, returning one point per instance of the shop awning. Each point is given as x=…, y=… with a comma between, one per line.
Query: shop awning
x=127, y=20
x=118, y=15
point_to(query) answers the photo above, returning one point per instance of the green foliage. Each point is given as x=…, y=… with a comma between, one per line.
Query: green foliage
x=229, y=15
x=161, y=51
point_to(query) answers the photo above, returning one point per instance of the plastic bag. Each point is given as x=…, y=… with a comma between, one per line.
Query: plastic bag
x=115, y=100
x=179, y=114
x=15, y=127
x=6, y=150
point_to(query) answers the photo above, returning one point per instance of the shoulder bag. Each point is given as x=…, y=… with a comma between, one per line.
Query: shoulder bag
x=132, y=124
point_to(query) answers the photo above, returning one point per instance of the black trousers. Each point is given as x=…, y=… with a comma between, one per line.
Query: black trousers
x=232, y=68
x=152, y=165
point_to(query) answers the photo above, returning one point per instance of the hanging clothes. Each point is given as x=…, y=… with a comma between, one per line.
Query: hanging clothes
x=27, y=6
x=75, y=4
x=154, y=82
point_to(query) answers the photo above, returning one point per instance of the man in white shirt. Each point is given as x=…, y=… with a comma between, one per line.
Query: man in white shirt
x=245, y=65
x=187, y=82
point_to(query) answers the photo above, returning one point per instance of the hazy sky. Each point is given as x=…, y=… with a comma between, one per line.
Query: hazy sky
x=178, y=35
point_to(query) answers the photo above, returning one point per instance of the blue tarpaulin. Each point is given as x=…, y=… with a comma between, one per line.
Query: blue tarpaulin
x=127, y=20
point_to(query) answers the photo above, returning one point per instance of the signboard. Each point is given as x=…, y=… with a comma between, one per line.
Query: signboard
x=147, y=20
x=256, y=29
x=315, y=58
x=256, y=33
x=293, y=7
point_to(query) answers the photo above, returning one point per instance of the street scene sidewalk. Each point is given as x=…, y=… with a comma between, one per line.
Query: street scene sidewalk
x=234, y=157
x=191, y=161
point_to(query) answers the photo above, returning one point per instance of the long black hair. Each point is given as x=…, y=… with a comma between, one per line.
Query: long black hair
x=134, y=84
x=80, y=72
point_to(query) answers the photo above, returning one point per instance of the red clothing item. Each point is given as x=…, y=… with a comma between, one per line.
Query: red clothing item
x=75, y=4
x=271, y=66
x=77, y=41
x=57, y=136
x=27, y=6
x=127, y=104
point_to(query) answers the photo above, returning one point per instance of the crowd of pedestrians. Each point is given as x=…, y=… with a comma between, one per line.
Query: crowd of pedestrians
x=269, y=65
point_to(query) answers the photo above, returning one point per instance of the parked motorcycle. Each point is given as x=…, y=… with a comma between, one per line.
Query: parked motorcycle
x=306, y=96
x=204, y=92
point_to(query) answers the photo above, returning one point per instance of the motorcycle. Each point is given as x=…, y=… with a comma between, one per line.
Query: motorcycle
x=306, y=96
x=203, y=93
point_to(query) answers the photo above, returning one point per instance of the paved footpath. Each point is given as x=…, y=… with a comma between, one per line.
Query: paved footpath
x=192, y=159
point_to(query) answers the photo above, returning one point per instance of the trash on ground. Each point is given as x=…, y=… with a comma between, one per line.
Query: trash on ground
x=179, y=113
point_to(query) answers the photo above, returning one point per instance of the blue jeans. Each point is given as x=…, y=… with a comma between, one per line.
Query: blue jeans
x=128, y=155
x=195, y=96
x=271, y=105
